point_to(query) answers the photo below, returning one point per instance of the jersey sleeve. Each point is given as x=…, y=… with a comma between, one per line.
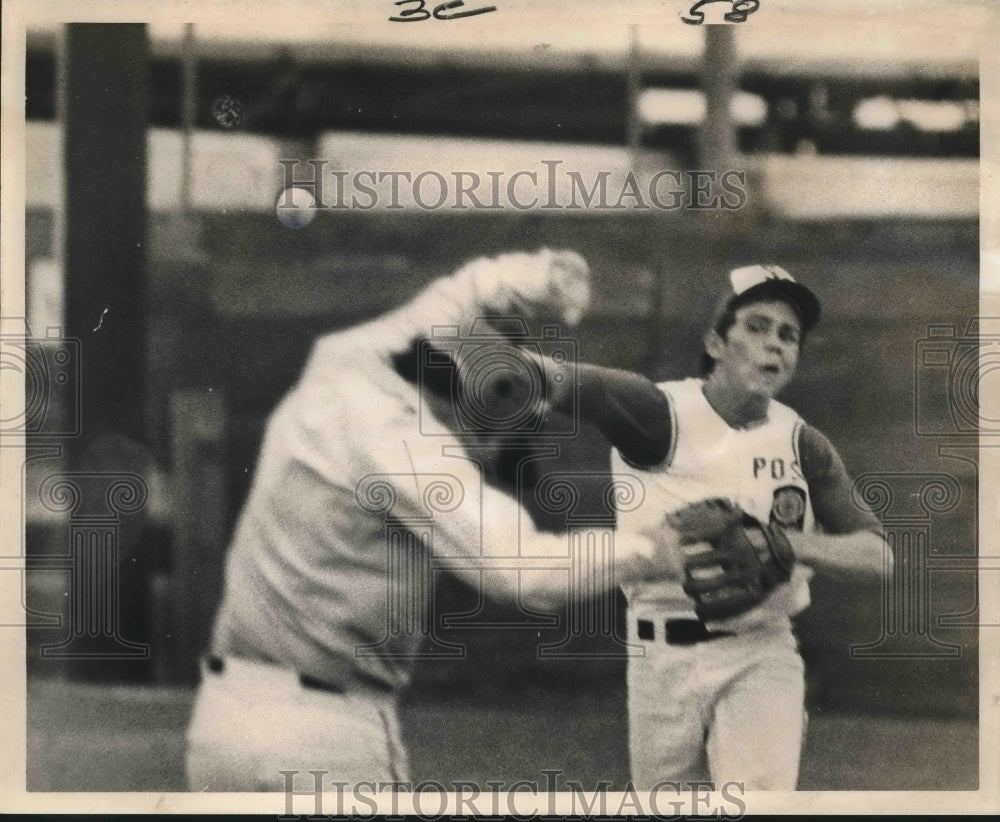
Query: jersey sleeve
x=479, y=528
x=640, y=425
x=836, y=509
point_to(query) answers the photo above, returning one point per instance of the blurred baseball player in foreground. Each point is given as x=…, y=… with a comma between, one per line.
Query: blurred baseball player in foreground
x=759, y=498
x=364, y=440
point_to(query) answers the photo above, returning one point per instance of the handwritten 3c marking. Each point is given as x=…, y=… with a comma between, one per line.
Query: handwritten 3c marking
x=442, y=11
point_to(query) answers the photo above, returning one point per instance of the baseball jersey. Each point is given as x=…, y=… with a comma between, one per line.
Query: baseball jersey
x=360, y=496
x=763, y=469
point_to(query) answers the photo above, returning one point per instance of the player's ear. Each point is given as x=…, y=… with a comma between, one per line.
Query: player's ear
x=713, y=344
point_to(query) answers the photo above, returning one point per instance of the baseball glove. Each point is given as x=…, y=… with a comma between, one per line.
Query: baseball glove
x=746, y=561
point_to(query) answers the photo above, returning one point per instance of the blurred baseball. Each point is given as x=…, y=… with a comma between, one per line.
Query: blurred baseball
x=296, y=207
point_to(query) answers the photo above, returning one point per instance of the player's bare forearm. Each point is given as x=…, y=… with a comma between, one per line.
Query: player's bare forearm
x=860, y=554
x=653, y=555
x=663, y=563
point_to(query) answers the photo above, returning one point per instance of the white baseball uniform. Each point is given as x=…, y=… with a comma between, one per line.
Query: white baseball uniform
x=328, y=584
x=724, y=700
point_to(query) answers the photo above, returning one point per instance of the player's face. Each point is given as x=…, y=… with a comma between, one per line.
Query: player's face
x=761, y=350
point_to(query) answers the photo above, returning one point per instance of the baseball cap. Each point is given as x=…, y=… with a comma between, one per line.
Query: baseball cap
x=760, y=281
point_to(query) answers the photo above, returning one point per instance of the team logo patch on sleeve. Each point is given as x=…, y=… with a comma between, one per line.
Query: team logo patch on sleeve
x=789, y=507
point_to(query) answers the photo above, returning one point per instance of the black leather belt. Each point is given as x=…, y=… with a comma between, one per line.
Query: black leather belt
x=307, y=681
x=217, y=664
x=680, y=631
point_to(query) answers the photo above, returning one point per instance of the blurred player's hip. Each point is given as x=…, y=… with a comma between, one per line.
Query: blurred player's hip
x=252, y=721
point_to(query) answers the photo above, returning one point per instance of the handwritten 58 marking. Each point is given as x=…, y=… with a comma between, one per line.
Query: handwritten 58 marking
x=738, y=12
x=442, y=11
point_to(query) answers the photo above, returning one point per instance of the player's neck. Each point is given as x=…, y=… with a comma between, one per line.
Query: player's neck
x=737, y=407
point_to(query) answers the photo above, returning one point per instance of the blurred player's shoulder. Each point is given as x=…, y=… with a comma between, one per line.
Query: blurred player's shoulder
x=683, y=384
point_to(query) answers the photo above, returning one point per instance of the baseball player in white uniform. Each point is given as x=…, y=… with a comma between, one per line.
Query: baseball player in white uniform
x=719, y=692
x=304, y=668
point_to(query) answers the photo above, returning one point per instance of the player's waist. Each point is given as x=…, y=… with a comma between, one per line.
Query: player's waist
x=668, y=594
x=262, y=674
x=659, y=601
x=676, y=630
x=691, y=631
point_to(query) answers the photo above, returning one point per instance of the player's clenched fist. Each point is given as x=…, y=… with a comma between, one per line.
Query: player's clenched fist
x=544, y=283
x=667, y=560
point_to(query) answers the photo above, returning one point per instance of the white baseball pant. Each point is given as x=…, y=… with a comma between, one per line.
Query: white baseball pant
x=726, y=709
x=252, y=720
